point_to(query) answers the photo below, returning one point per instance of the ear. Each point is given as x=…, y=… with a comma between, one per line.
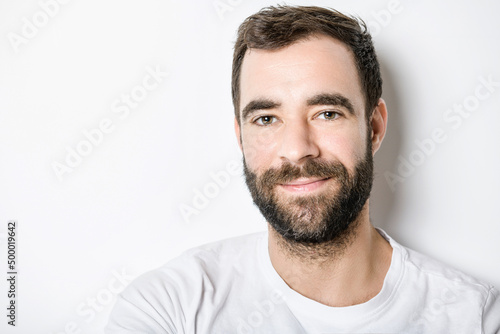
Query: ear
x=237, y=130
x=378, y=122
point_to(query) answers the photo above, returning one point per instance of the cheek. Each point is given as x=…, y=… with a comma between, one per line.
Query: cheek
x=348, y=148
x=259, y=150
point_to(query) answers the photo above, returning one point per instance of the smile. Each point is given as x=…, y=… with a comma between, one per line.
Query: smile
x=303, y=185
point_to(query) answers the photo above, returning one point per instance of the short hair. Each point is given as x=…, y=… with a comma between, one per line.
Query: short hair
x=273, y=28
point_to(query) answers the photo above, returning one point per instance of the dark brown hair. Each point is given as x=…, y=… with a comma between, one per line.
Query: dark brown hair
x=276, y=27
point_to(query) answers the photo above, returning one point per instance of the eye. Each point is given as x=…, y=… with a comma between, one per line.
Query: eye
x=329, y=115
x=265, y=120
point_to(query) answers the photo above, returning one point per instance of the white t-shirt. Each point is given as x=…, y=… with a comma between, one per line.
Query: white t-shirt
x=231, y=287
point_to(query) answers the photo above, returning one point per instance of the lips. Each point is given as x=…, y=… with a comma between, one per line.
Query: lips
x=304, y=184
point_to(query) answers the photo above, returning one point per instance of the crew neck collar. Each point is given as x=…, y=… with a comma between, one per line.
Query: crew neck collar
x=312, y=313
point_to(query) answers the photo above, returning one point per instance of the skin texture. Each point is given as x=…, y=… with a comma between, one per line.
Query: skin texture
x=280, y=125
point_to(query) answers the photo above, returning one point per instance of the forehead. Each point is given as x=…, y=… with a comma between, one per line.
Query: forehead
x=298, y=71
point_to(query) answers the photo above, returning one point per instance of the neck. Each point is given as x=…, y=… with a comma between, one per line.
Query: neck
x=347, y=271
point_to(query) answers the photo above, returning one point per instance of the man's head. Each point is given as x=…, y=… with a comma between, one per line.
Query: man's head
x=273, y=28
x=308, y=118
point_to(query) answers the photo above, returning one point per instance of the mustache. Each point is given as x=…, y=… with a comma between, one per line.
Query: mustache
x=311, y=168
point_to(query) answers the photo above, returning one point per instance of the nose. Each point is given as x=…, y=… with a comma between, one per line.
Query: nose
x=297, y=142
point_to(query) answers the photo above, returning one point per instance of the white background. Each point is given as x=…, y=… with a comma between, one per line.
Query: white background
x=118, y=211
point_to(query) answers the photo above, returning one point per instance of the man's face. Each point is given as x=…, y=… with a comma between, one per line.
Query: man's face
x=305, y=139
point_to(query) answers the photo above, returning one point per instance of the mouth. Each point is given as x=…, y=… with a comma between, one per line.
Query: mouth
x=304, y=185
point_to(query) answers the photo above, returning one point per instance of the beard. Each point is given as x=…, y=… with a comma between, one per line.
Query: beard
x=326, y=218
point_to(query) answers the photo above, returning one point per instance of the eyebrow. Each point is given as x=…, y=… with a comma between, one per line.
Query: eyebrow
x=259, y=104
x=332, y=100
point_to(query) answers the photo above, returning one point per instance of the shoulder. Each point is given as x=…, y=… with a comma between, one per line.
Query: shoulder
x=219, y=250
x=425, y=270
x=170, y=295
x=193, y=265
x=432, y=270
x=446, y=291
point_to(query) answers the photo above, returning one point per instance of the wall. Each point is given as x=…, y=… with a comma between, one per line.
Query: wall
x=118, y=151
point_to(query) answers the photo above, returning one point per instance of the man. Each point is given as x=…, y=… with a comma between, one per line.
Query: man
x=308, y=117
